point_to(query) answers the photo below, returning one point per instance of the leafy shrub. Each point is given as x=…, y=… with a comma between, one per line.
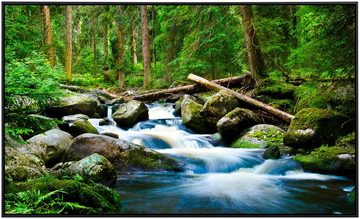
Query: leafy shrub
x=30, y=85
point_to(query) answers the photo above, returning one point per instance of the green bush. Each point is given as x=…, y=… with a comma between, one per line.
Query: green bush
x=30, y=85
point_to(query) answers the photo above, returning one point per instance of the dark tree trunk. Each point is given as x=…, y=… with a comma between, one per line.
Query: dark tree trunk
x=255, y=57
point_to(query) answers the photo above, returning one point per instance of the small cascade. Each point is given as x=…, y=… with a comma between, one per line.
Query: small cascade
x=109, y=115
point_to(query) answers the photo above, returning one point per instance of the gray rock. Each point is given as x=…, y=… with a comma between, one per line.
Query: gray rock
x=74, y=104
x=82, y=126
x=20, y=164
x=218, y=106
x=123, y=155
x=130, y=113
x=72, y=118
x=236, y=121
x=50, y=146
x=94, y=167
x=192, y=117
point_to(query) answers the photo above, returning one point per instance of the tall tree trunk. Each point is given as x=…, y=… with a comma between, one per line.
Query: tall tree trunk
x=106, y=44
x=68, y=47
x=134, y=37
x=93, y=21
x=153, y=17
x=145, y=46
x=170, y=56
x=255, y=57
x=120, y=45
x=48, y=35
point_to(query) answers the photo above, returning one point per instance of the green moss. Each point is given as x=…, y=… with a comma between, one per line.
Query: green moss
x=313, y=127
x=325, y=160
x=244, y=144
x=275, y=88
x=191, y=115
x=347, y=141
x=271, y=135
x=145, y=160
x=85, y=126
x=96, y=198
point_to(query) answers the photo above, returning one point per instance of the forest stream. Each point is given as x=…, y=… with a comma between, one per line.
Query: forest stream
x=218, y=179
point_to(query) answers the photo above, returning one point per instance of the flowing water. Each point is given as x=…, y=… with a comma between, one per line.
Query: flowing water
x=218, y=179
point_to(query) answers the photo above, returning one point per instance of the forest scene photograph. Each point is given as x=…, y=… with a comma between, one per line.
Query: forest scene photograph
x=179, y=109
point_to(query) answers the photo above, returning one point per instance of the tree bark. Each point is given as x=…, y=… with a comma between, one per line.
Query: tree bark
x=48, y=35
x=134, y=37
x=255, y=57
x=276, y=112
x=106, y=43
x=93, y=21
x=120, y=55
x=239, y=81
x=170, y=56
x=68, y=47
x=145, y=46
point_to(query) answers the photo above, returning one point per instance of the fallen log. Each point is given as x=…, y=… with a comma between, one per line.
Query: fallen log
x=238, y=81
x=213, y=86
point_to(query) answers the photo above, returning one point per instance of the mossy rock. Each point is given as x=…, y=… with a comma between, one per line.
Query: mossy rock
x=20, y=164
x=50, y=146
x=287, y=105
x=94, y=167
x=275, y=88
x=82, y=126
x=124, y=155
x=312, y=127
x=130, y=113
x=74, y=103
x=178, y=103
x=236, y=121
x=97, y=198
x=260, y=136
x=218, y=106
x=272, y=152
x=330, y=160
x=192, y=116
x=72, y=118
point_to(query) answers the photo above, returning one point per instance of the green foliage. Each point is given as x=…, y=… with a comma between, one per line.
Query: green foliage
x=49, y=195
x=30, y=85
x=36, y=202
x=326, y=41
x=244, y=144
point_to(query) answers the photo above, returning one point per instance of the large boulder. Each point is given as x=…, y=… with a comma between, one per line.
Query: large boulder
x=73, y=104
x=192, y=117
x=260, y=136
x=50, y=146
x=81, y=126
x=130, y=113
x=218, y=106
x=236, y=121
x=312, y=127
x=122, y=154
x=94, y=167
x=90, y=198
x=72, y=118
x=337, y=160
x=20, y=164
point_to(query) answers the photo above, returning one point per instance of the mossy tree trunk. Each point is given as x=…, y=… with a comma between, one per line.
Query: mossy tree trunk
x=145, y=46
x=48, y=35
x=68, y=47
x=255, y=57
